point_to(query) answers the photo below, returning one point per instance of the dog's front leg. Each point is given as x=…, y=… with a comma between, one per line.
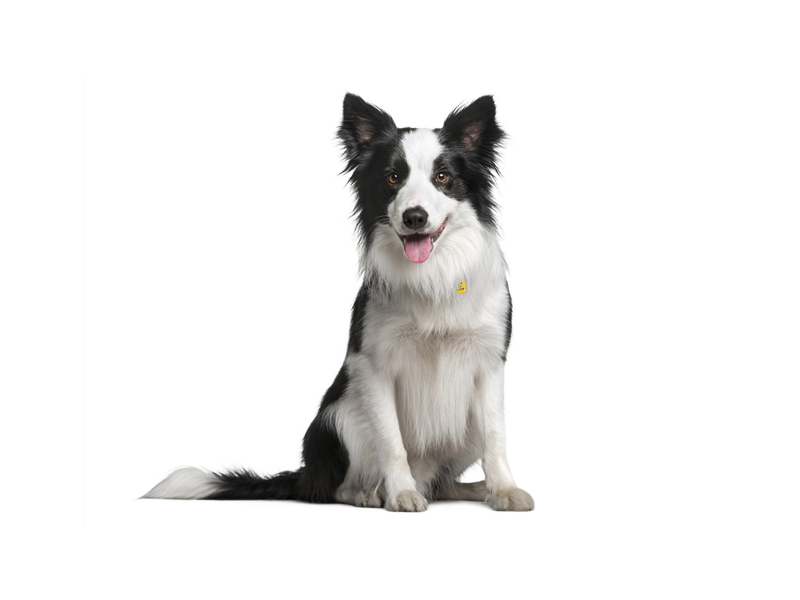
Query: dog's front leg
x=503, y=492
x=401, y=491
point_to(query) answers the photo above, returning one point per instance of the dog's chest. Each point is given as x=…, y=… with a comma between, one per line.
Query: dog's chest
x=434, y=342
x=436, y=381
x=437, y=358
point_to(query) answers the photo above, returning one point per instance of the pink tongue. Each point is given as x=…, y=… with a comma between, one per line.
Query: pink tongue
x=418, y=247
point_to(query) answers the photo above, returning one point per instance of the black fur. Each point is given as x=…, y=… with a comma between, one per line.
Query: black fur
x=243, y=484
x=509, y=312
x=357, y=319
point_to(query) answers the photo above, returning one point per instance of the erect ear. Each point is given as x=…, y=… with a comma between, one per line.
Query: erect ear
x=473, y=127
x=363, y=124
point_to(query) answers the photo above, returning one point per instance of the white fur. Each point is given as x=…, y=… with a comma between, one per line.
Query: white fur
x=187, y=483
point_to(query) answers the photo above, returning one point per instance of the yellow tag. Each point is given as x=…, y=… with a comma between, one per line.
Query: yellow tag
x=462, y=287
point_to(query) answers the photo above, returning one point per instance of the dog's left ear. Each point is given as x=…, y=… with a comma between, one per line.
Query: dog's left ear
x=474, y=128
x=363, y=125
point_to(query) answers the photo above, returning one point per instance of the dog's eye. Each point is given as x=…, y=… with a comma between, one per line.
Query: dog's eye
x=441, y=177
x=393, y=178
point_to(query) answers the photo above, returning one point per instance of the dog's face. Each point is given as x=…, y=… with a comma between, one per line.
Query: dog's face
x=419, y=205
x=417, y=185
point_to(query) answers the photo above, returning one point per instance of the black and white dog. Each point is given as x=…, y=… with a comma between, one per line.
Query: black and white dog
x=419, y=397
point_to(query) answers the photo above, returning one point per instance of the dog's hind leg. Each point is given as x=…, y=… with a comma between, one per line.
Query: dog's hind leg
x=455, y=490
x=369, y=497
x=364, y=497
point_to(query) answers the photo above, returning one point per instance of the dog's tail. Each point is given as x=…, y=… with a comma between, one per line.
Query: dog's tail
x=191, y=483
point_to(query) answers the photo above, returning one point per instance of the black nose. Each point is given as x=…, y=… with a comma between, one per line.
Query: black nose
x=415, y=218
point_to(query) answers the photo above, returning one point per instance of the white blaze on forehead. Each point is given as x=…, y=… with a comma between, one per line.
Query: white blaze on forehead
x=421, y=148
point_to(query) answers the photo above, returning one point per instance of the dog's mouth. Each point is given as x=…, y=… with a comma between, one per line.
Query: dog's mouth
x=419, y=246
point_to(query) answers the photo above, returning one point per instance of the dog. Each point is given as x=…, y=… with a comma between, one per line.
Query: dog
x=419, y=397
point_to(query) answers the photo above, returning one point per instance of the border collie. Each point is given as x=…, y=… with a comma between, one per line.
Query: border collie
x=419, y=397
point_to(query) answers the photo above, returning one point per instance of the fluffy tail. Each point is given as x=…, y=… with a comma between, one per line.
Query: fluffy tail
x=191, y=483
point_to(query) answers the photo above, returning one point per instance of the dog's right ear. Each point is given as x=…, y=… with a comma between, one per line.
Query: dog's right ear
x=363, y=124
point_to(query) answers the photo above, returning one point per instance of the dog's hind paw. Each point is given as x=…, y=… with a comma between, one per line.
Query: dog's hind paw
x=511, y=499
x=370, y=498
x=407, y=501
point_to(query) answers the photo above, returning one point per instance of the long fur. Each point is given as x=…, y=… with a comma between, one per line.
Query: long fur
x=419, y=397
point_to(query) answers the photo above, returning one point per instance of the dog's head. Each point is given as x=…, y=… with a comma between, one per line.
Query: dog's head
x=421, y=182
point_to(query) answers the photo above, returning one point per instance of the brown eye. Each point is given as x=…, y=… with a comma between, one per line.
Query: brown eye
x=441, y=177
x=393, y=178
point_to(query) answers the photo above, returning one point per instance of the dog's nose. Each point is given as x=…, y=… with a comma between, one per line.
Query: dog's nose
x=415, y=218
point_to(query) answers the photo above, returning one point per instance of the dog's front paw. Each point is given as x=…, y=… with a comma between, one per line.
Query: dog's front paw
x=407, y=501
x=511, y=499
